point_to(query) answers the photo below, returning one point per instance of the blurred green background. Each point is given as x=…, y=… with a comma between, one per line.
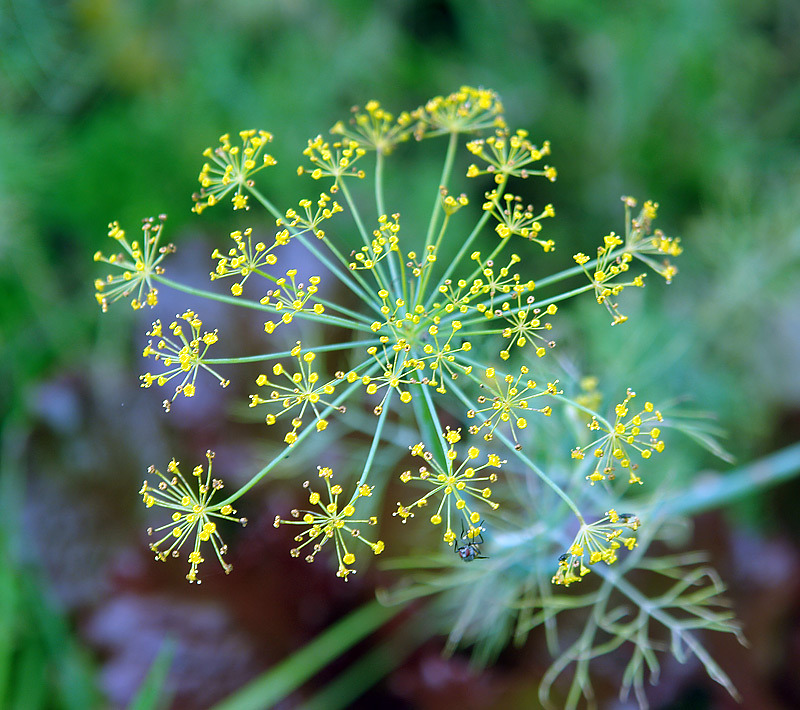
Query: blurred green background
x=105, y=107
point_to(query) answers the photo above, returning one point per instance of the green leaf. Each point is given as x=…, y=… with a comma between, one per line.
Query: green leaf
x=151, y=694
x=274, y=685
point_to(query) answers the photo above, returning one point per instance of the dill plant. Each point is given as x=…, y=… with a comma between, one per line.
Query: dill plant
x=538, y=470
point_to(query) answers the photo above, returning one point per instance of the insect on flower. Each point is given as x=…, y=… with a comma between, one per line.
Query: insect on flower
x=471, y=550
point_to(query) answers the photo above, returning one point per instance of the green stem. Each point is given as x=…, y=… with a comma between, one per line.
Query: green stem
x=379, y=183
x=429, y=424
x=443, y=180
x=266, y=690
x=285, y=451
x=564, y=296
x=286, y=353
x=255, y=305
x=379, y=203
x=426, y=277
x=360, y=288
x=355, y=213
x=376, y=663
x=377, y=271
x=403, y=280
x=447, y=168
x=376, y=437
x=524, y=459
x=564, y=274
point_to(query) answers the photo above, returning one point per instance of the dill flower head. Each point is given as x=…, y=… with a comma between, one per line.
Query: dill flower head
x=458, y=488
x=464, y=111
x=245, y=259
x=506, y=154
x=335, y=160
x=515, y=218
x=138, y=263
x=611, y=448
x=644, y=243
x=294, y=394
x=330, y=518
x=443, y=324
x=596, y=542
x=230, y=169
x=309, y=219
x=182, y=356
x=193, y=514
x=509, y=402
x=436, y=325
x=609, y=277
x=375, y=128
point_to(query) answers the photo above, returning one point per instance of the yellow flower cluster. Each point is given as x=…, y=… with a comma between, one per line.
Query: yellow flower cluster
x=231, y=169
x=464, y=111
x=605, y=279
x=509, y=154
x=245, y=258
x=508, y=404
x=514, y=218
x=384, y=240
x=636, y=432
x=330, y=521
x=644, y=243
x=335, y=160
x=300, y=391
x=182, y=355
x=289, y=297
x=138, y=262
x=436, y=320
x=309, y=222
x=456, y=486
x=616, y=254
x=193, y=513
x=377, y=129
x=600, y=541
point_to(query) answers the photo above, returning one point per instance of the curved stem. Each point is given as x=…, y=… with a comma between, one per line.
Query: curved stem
x=379, y=183
x=522, y=457
x=443, y=180
x=346, y=276
x=255, y=305
x=287, y=353
x=285, y=451
x=377, y=271
x=376, y=437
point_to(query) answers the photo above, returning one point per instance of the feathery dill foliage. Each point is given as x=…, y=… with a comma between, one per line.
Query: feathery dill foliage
x=432, y=325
